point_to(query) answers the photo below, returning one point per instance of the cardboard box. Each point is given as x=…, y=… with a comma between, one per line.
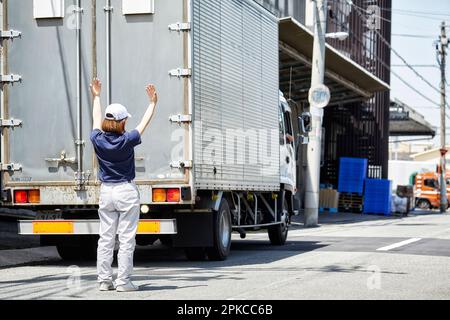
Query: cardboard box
x=329, y=198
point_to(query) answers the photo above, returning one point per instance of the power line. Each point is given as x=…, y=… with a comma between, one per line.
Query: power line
x=412, y=36
x=401, y=78
x=375, y=15
x=435, y=13
x=413, y=88
x=416, y=14
x=416, y=65
x=401, y=58
x=422, y=16
x=409, y=66
x=389, y=67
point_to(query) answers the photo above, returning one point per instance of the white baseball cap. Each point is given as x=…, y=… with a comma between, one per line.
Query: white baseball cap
x=116, y=112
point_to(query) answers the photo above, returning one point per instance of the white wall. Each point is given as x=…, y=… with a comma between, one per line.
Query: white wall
x=400, y=171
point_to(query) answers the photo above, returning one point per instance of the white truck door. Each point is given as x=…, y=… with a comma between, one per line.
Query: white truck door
x=45, y=99
x=287, y=143
x=150, y=44
x=290, y=148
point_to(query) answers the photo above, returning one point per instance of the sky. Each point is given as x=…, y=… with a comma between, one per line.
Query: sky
x=419, y=51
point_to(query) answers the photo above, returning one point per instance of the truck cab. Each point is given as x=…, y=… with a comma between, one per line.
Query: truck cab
x=426, y=190
x=287, y=147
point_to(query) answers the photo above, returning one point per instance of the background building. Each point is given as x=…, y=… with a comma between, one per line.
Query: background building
x=352, y=127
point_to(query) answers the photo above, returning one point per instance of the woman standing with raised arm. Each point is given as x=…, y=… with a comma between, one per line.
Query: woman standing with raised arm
x=119, y=203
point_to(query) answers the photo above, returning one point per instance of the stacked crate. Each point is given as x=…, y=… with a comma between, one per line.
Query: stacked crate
x=377, y=196
x=351, y=202
x=352, y=173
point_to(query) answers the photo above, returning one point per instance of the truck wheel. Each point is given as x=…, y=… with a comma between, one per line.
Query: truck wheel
x=195, y=254
x=84, y=250
x=166, y=240
x=278, y=233
x=221, y=232
x=69, y=253
x=423, y=204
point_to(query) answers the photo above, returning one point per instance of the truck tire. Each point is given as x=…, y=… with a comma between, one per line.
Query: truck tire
x=423, y=204
x=68, y=253
x=222, y=229
x=278, y=233
x=166, y=240
x=85, y=249
x=195, y=254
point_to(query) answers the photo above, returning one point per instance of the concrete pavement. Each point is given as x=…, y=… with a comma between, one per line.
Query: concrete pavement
x=340, y=260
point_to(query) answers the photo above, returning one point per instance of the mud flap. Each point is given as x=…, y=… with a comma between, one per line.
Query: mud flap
x=194, y=230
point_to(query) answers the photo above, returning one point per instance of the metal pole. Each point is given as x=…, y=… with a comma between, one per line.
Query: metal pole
x=443, y=53
x=3, y=101
x=79, y=139
x=312, y=179
x=94, y=38
x=108, y=10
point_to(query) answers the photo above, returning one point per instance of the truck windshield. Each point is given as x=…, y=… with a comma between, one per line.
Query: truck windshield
x=281, y=124
x=431, y=183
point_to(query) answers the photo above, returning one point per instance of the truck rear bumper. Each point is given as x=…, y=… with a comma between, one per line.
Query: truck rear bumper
x=87, y=227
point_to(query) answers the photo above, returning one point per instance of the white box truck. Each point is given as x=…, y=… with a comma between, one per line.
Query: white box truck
x=220, y=155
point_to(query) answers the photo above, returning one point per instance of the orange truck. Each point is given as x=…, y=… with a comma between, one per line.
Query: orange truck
x=426, y=190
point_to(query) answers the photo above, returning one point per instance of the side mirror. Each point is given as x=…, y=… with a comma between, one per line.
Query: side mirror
x=305, y=122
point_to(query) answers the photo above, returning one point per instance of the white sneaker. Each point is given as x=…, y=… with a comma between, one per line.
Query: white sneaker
x=106, y=286
x=127, y=287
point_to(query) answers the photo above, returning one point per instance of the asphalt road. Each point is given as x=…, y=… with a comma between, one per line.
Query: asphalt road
x=348, y=257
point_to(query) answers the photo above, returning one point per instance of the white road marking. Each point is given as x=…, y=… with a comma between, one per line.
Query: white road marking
x=399, y=244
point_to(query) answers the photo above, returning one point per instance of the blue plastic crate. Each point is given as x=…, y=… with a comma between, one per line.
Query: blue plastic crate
x=352, y=173
x=377, y=196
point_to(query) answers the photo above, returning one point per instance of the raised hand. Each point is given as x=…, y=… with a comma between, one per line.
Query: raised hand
x=96, y=87
x=152, y=94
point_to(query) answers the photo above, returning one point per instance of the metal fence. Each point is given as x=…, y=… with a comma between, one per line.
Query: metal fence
x=361, y=130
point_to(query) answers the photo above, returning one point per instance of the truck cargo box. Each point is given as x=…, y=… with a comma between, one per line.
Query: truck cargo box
x=214, y=63
x=235, y=96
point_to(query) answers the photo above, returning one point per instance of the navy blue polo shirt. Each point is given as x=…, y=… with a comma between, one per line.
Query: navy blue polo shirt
x=115, y=154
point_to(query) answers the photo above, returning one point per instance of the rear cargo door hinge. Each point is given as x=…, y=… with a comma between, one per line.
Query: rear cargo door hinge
x=10, y=123
x=11, y=34
x=10, y=78
x=180, y=72
x=181, y=118
x=11, y=167
x=180, y=26
x=182, y=164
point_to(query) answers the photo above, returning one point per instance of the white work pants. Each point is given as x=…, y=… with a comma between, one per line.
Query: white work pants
x=119, y=214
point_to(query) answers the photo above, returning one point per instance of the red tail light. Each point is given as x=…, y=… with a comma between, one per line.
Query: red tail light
x=20, y=196
x=173, y=195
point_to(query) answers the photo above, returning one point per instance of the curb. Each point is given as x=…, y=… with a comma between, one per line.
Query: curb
x=19, y=257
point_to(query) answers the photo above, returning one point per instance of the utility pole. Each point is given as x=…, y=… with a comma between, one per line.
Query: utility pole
x=442, y=62
x=312, y=179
